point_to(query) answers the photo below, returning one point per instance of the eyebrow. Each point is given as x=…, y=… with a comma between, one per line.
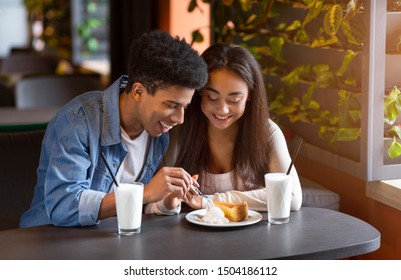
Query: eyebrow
x=176, y=103
x=230, y=94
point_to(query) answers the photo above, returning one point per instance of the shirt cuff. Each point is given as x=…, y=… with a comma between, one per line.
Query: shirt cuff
x=165, y=211
x=89, y=206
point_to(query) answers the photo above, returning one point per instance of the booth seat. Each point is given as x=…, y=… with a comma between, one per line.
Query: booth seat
x=315, y=195
x=19, y=160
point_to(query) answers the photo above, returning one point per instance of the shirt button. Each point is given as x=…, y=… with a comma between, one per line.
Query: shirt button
x=115, y=165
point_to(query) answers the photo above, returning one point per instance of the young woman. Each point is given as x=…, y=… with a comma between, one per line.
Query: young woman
x=228, y=137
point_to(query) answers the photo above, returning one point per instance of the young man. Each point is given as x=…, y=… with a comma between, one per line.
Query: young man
x=128, y=122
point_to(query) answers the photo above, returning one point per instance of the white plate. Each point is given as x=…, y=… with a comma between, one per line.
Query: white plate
x=196, y=216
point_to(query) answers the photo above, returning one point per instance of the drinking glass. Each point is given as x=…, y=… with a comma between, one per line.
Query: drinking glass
x=129, y=199
x=279, y=190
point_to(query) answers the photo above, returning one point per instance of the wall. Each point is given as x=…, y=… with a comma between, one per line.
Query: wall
x=178, y=21
x=354, y=202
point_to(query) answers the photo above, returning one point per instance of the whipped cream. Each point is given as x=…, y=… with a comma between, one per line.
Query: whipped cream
x=214, y=215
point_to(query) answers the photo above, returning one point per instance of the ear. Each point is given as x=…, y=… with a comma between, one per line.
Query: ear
x=138, y=90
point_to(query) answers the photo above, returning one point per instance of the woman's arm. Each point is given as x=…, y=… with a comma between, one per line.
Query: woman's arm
x=280, y=160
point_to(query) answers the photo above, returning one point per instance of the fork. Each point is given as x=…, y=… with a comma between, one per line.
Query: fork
x=209, y=202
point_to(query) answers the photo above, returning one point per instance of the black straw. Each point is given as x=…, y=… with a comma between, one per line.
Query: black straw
x=294, y=156
x=108, y=168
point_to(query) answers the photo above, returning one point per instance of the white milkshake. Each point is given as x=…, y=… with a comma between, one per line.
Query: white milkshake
x=129, y=199
x=279, y=190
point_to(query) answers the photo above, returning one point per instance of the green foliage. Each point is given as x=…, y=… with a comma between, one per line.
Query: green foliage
x=394, y=150
x=392, y=105
x=88, y=28
x=392, y=109
x=266, y=28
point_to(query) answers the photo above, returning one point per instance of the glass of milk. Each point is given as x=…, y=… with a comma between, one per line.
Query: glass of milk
x=129, y=198
x=279, y=190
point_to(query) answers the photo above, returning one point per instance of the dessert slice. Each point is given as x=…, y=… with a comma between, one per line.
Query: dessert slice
x=234, y=212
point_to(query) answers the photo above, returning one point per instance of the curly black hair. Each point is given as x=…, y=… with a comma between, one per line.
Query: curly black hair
x=157, y=60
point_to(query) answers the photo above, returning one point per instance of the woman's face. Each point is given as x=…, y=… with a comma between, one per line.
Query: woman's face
x=224, y=98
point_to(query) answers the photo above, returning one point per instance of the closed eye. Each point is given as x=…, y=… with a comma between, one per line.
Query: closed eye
x=234, y=100
x=212, y=98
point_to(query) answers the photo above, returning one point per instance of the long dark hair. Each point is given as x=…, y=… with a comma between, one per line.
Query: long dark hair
x=252, y=146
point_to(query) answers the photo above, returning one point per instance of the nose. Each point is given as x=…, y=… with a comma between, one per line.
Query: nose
x=178, y=116
x=223, y=107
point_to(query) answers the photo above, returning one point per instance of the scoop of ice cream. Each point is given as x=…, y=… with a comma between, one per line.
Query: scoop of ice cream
x=214, y=215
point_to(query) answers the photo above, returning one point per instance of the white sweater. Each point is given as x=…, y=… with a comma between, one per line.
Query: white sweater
x=280, y=160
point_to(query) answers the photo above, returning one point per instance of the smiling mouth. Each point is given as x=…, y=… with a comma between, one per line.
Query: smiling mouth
x=166, y=126
x=221, y=117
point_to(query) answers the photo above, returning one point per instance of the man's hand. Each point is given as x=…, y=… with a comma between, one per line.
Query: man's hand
x=169, y=180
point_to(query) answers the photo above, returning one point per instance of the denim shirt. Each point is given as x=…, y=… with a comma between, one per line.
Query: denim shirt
x=72, y=177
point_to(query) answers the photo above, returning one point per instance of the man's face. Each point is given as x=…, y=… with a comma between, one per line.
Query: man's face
x=160, y=112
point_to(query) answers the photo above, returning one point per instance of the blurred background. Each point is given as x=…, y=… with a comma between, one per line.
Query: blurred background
x=92, y=35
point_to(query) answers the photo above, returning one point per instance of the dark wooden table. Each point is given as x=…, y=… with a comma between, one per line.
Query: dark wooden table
x=312, y=233
x=13, y=119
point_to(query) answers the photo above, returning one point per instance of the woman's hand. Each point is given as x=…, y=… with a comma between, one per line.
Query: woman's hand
x=193, y=200
x=172, y=201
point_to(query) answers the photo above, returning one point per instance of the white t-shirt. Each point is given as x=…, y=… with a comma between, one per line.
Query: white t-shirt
x=135, y=159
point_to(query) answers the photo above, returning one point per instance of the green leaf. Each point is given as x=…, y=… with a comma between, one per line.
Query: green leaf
x=324, y=78
x=332, y=20
x=394, y=150
x=293, y=26
x=392, y=104
x=307, y=97
x=326, y=133
x=197, y=36
x=91, y=7
x=397, y=130
x=192, y=5
x=348, y=58
x=355, y=115
x=263, y=50
x=251, y=19
x=294, y=76
x=301, y=36
x=281, y=26
x=314, y=105
x=276, y=45
x=287, y=109
x=248, y=37
x=354, y=31
x=294, y=118
x=93, y=44
x=346, y=134
x=322, y=42
x=315, y=7
x=246, y=5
